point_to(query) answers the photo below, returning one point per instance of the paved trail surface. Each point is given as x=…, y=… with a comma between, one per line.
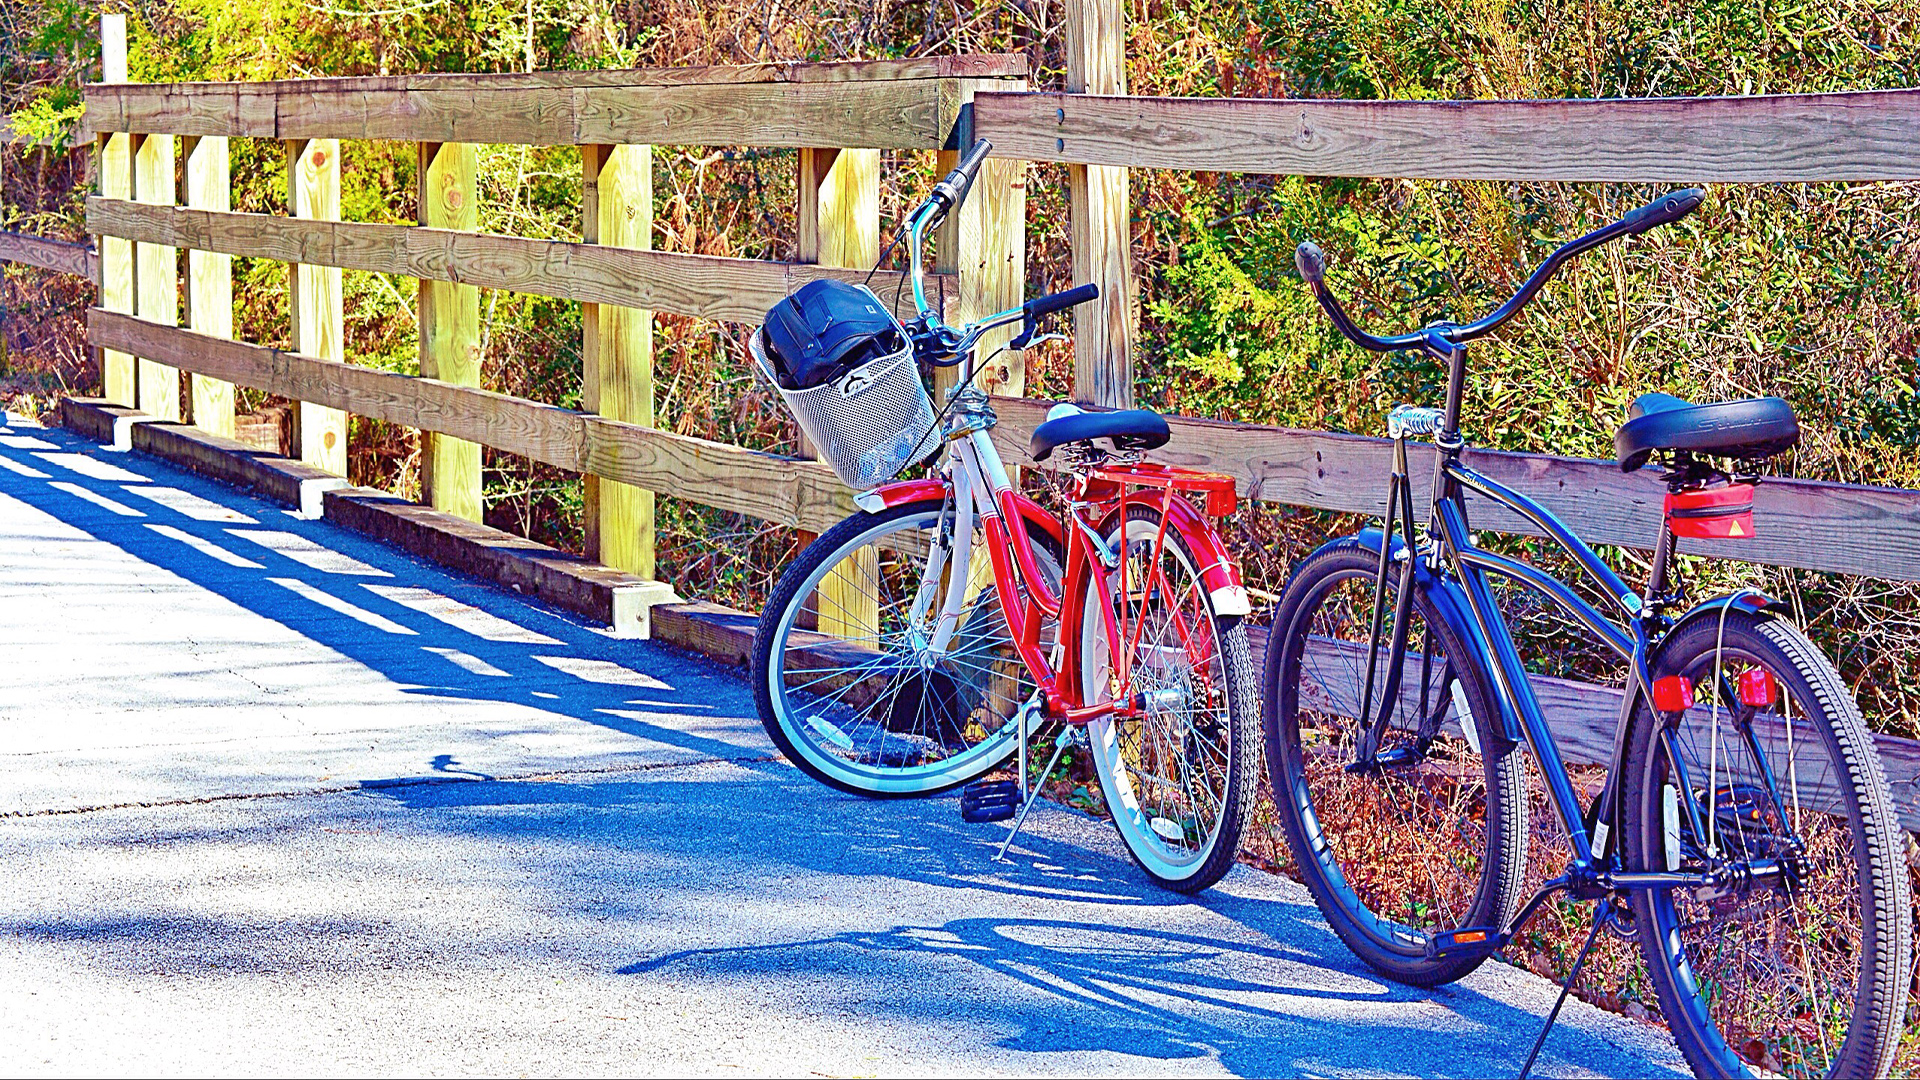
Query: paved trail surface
x=280, y=800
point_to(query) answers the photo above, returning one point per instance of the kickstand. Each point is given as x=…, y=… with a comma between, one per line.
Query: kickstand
x=1060, y=744
x=1602, y=915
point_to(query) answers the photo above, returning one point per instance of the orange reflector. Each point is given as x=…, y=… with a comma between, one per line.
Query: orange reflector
x=1468, y=936
x=1673, y=694
x=1757, y=688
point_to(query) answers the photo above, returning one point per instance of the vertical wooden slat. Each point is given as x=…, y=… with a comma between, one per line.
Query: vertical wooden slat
x=839, y=216
x=156, y=274
x=210, y=279
x=984, y=244
x=313, y=181
x=449, y=328
x=115, y=153
x=1098, y=198
x=617, y=360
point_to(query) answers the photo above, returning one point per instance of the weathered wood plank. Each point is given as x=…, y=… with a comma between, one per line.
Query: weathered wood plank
x=891, y=115
x=156, y=275
x=1795, y=520
x=839, y=225
x=1099, y=214
x=62, y=256
x=1583, y=717
x=617, y=357
x=210, y=280
x=316, y=300
x=973, y=66
x=901, y=113
x=114, y=163
x=449, y=321
x=1788, y=137
x=785, y=491
x=705, y=286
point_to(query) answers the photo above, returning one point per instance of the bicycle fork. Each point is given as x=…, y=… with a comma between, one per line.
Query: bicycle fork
x=1366, y=754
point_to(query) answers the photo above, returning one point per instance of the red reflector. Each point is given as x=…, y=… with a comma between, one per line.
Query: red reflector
x=1672, y=694
x=1757, y=688
x=1710, y=513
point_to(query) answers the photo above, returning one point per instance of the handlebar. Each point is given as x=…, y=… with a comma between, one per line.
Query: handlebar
x=1040, y=307
x=1311, y=263
x=952, y=189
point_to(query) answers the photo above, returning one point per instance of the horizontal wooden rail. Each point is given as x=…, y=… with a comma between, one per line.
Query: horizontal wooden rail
x=1583, y=717
x=1812, y=525
x=786, y=491
x=1789, y=137
x=61, y=255
x=736, y=290
x=557, y=108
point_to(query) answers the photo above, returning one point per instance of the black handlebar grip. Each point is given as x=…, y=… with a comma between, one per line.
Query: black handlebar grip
x=1310, y=262
x=1060, y=301
x=952, y=188
x=1670, y=207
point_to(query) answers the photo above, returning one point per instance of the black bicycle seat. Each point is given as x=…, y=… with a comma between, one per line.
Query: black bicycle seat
x=1130, y=429
x=1748, y=429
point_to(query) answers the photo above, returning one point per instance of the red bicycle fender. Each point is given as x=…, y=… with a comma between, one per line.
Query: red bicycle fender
x=1218, y=572
x=933, y=490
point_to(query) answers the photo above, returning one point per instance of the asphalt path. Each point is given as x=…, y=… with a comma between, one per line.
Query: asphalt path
x=277, y=800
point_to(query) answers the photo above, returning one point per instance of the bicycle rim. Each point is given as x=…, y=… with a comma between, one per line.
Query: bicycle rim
x=1393, y=854
x=1170, y=776
x=854, y=691
x=1801, y=978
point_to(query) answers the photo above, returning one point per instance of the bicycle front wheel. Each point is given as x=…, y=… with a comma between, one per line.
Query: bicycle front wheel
x=1796, y=961
x=847, y=684
x=1432, y=837
x=1179, y=776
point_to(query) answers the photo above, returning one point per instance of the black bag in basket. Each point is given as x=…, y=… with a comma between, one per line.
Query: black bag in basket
x=826, y=329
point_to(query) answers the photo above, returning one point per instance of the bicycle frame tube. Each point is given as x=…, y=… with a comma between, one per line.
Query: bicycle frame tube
x=1499, y=656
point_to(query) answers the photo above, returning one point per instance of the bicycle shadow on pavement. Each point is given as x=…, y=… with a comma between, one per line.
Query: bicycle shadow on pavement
x=1247, y=972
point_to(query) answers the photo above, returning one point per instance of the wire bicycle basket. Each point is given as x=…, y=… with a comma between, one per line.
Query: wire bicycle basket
x=844, y=368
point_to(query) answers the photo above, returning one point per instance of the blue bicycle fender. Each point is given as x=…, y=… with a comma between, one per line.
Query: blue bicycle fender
x=1746, y=601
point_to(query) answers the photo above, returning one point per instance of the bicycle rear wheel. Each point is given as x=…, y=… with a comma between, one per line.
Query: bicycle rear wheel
x=1800, y=974
x=843, y=676
x=1392, y=855
x=1178, y=778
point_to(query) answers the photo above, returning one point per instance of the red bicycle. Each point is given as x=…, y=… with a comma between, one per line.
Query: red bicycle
x=918, y=644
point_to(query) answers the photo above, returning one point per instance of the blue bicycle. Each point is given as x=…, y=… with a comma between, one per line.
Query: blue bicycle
x=1744, y=832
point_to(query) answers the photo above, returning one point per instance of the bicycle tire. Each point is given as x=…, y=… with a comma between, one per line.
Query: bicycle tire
x=882, y=757
x=1311, y=784
x=1129, y=754
x=1746, y=1015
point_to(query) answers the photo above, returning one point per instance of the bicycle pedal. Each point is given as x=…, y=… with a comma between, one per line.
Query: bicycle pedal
x=1463, y=941
x=989, y=800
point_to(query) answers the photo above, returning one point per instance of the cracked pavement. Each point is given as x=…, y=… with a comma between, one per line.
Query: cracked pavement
x=275, y=799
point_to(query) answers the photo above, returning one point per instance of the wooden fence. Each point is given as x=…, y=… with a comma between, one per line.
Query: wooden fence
x=838, y=115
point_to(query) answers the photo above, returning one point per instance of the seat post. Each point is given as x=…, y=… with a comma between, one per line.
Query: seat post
x=1456, y=357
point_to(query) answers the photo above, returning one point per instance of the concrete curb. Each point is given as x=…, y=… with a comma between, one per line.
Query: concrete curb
x=630, y=605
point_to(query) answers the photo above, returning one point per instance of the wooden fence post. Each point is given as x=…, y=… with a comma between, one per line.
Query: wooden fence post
x=1102, y=241
x=313, y=182
x=449, y=318
x=839, y=218
x=156, y=274
x=210, y=279
x=115, y=162
x=985, y=244
x=617, y=358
